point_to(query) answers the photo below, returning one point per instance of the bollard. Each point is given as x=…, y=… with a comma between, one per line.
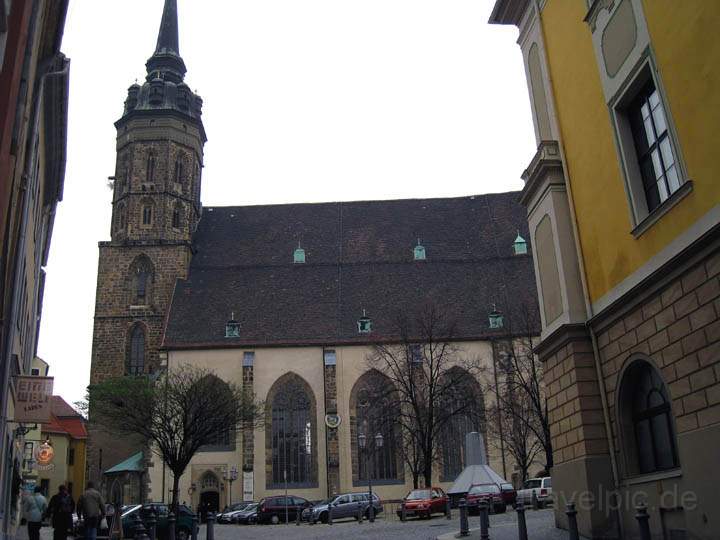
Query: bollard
x=152, y=525
x=464, y=526
x=171, y=526
x=403, y=512
x=359, y=516
x=371, y=512
x=448, y=509
x=210, y=526
x=484, y=520
x=330, y=513
x=643, y=520
x=522, y=525
x=139, y=529
x=194, y=525
x=535, y=503
x=298, y=515
x=572, y=521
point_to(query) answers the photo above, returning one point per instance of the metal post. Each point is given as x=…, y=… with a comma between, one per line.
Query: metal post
x=403, y=512
x=152, y=523
x=210, y=526
x=448, y=509
x=171, y=526
x=194, y=525
x=464, y=526
x=643, y=520
x=371, y=509
x=522, y=525
x=360, y=514
x=572, y=521
x=330, y=512
x=535, y=503
x=139, y=528
x=484, y=520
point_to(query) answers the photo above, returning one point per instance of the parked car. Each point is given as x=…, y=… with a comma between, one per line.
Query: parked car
x=508, y=494
x=423, y=503
x=541, y=487
x=229, y=513
x=343, y=506
x=247, y=516
x=485, y=492
x=272, y=509
x=183, y=524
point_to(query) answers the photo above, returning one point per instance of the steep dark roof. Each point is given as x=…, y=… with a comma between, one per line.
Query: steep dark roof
x=359, y=256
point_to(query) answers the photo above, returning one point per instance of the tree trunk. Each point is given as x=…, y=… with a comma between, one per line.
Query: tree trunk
x=416, y=479
x=175, y=492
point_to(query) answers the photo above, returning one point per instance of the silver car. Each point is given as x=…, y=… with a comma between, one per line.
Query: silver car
x=343, y=506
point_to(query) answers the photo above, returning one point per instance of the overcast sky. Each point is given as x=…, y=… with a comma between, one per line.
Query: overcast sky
x=304, y=100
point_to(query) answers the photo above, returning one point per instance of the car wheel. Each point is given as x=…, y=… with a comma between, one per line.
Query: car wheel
x=274, y=519
x=182, y=534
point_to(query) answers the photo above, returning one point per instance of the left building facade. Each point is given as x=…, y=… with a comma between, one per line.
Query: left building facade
x=34, y=83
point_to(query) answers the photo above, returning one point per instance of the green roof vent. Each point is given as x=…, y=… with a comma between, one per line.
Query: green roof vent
x=520, y=245
x=496, y=318
x=299, y=255
x=419, y=252
x=364, y=324
x=232, y=327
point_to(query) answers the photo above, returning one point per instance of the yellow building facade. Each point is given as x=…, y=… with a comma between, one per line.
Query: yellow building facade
x=623, y=205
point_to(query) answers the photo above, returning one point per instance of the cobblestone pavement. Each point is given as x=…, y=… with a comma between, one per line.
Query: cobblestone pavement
x=541, y=526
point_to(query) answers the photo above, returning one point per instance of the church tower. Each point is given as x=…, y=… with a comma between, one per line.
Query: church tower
x=156, y=207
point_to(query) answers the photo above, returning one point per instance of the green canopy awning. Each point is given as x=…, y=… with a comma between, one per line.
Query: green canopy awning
x=134, y=463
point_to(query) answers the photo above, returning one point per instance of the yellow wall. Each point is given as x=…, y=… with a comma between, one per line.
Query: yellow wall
x=684, y=39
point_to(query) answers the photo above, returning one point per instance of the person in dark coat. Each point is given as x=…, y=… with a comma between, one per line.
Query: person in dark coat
x=60, y=509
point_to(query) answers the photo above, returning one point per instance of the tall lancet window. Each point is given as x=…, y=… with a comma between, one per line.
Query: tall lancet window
x=136, y=352
x=151, y=166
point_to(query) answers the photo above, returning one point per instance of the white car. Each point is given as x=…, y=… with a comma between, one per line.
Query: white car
x=541, y=487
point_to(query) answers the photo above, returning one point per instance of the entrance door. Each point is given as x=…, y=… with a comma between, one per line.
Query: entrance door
x=209, y=502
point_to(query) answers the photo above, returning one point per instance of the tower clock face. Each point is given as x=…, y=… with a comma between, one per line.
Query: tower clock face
x=332, y=420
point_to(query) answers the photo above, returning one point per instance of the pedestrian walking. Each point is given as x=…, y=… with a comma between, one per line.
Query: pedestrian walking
x=34, y=507
x=60, y=510
x=91, y=508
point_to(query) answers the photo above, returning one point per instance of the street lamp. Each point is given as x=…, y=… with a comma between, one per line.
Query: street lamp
x=230, y=476
x=362, y=442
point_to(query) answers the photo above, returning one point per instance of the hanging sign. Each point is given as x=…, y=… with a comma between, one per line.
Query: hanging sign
x=32, y=399
x=44, y=455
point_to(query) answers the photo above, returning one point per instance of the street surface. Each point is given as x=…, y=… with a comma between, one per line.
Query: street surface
x=541, y=526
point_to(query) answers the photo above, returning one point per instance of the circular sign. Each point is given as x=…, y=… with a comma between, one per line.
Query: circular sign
x=44, y=455
x=332, y=420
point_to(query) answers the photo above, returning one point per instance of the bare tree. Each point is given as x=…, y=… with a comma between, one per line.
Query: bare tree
x=519, y=388
x=513, y=436
x=429, y=376
x=177, y=412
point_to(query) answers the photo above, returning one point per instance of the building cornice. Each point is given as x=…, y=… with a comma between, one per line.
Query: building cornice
x=508, y=12
x=537, y=176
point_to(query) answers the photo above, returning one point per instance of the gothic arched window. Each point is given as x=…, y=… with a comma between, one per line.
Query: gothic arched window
x=177, y=215
x=148, y=211
x=374, y=409
x=141, y=281
x=292, y=452
x=178, y=170
x=121, y=221
x=464, y=411
x=151, y=166
x=136, y=352
x=646, y=418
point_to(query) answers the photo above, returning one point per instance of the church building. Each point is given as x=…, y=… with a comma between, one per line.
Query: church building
x=287, y=300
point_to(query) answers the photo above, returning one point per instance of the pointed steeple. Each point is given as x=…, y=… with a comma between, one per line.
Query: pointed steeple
x=166, y=62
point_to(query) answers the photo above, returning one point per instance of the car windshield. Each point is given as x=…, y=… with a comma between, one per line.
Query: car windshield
x=506, y=487
x=531, y=484
x=484, y=488
x=250, y=507
x=129, y=509
x=417, y=494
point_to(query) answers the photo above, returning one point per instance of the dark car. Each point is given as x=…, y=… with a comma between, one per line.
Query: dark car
x=228, y=515
x=346, y=505
x=247, y=516
x=508, y=494
x=423, y=503
x=489, y=493
x=183, y=524
x=275, y=509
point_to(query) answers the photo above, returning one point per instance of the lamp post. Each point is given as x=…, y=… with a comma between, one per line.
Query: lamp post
x=363, y=442
x=230, y=476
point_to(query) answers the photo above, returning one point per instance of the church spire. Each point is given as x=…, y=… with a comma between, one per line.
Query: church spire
x=166, y=62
